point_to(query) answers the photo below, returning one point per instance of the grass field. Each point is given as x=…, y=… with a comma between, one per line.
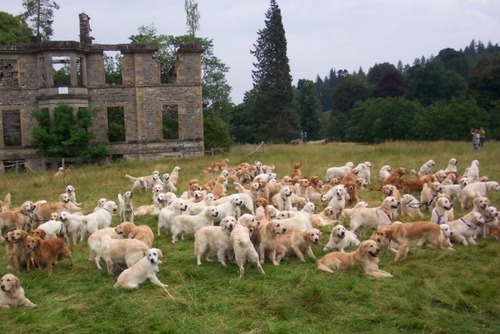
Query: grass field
x=431, y=291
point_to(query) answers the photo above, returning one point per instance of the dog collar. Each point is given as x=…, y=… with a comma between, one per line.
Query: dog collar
x=388, y=214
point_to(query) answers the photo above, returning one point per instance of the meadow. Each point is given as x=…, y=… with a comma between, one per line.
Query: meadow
x=431, y=292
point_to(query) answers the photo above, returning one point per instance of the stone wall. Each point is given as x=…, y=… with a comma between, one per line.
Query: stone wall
x=141, y=95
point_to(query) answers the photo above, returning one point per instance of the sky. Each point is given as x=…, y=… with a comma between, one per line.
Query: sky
x=321, y=34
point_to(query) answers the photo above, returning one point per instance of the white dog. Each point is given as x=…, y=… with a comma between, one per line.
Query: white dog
x=214, y=239
x=341, y=238
x=139, y=272
x=455, y=190
x=410, y=206
x=300, y=220
x=452, y=165
x=186, y=224
x=167, y=214
x=116, y=251
x=375, y=217
x=12, y=293
x=463, y=229
x=477, y=189
x=100, y=218
x=472, y=172
x=339, y=172
x=126, y=207
x=439, y=214
x=426, y=168
x=53, y=228
x=283, y=199
x=243, y=247
x=94, y=243
x=384, y=172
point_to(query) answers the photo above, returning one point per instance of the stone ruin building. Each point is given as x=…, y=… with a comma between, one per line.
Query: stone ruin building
x=142, y=102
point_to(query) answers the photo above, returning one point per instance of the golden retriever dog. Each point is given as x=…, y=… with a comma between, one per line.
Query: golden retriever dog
x=265, y=240
x=48, y=251
x=126, y=207
x=187, y=224
x=144, y=269
x=391, y=190
x=15, y=249
x=19, y=218
x=6, y=203
x=455, y=190
x=138, y=182
x=12, y=293
x=490, y=220
x=167, y=184
x=94, y=243
x=283, y=200
x=341, y=238
x=366, y=256
x=409, y=185
x=296, y=170
x=477, y=189
x=300, y=219
x=352, y=191
x=472, y=172
x=426, y=168
x=429, y=194
x=118, y=251
x=375, y=217
x=243, y=247
x=395, y=176
x=452, y=165
x=464, y=229
x=53, y=228
x=384, y=172
x=44, y=209
x=68, y=204
x=339, y=172
x=38, y=232
x=140, y=232
x=347, y=212
x=167, y=214
x=297, y=243
x=495, y=232
x=402, y=234
x=219, y=187
x=210, y=239
x=439, y=214
x=410, y=206
x=324, y=218
x=98, y=219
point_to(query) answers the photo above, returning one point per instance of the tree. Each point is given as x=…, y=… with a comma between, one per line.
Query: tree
x=309, y=108
x=192, y=17
x=349, y=90
x=431, y=83
x=392, y=84
x=215, y=89
x=13, y=29
x=67, y=136
x=376, y=72
x=39, y=14
x=273, y=110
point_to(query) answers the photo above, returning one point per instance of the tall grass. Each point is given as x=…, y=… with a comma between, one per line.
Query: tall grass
x=431, y=292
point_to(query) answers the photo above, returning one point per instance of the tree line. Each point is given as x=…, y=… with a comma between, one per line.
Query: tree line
x=440, y=97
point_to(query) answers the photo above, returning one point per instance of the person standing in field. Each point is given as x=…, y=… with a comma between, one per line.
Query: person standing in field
x=482, y=136
x=476, y=139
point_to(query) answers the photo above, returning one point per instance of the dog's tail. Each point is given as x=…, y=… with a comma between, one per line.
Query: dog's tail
x=131, y=178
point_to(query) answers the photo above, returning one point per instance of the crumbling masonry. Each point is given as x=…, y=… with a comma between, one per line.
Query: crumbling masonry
x=27, y=83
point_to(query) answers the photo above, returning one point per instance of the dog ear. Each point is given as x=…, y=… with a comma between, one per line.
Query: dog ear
x=17, y=283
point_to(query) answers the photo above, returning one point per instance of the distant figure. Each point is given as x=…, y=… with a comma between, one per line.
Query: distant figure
x=476, y=139
x=482, y=136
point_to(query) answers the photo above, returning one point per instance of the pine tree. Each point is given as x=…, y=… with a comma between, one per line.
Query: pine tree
x=40, y=14
x=273, y=108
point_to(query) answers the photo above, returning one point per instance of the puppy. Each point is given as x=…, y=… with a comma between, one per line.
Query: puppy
x=214, y=239
x=48, y=251
x=341, y=238
x=140, y=232
x=297, y=243
x=126, y=207
x=12, y=293
x=139, y=272
x=366, y=256
x=402, y=234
